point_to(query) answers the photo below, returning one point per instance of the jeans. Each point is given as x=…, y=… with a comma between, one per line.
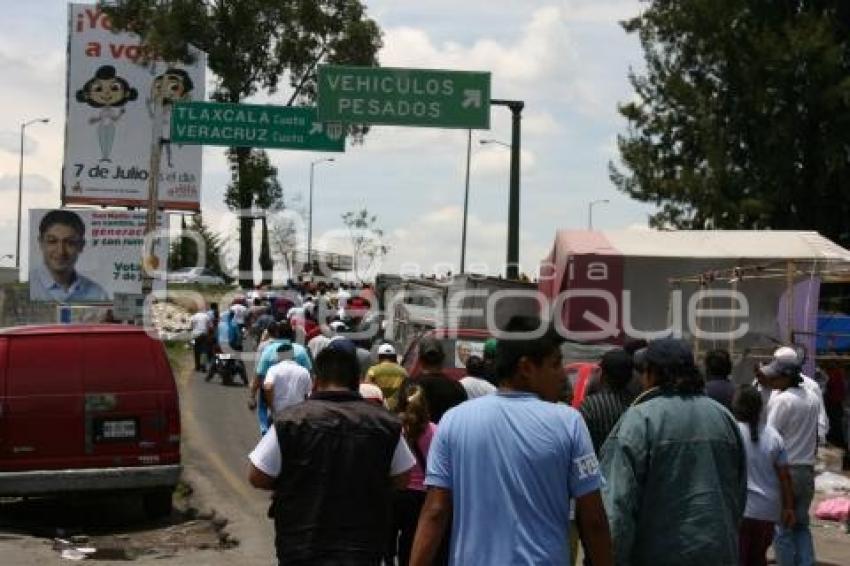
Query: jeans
x=262, y=412
x=794, y=547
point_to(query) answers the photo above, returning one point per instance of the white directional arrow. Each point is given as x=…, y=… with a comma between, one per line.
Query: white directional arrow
x=317, y=128
x=471, y=98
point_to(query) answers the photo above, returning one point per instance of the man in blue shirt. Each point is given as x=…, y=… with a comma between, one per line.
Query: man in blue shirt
x=504, y=468
x=61, y=238
x=280, y=332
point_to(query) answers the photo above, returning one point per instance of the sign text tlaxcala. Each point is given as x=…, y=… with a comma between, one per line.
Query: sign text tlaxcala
x=404, y=97
x=254, y=125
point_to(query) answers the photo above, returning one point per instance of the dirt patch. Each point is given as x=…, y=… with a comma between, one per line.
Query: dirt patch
x=114, y=527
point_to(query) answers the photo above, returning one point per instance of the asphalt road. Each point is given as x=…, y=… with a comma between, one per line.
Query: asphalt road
x=219, y=431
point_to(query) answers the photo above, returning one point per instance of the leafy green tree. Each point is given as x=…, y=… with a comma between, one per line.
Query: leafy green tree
x=250, y=46
x=184, y=250
x=366, y=240
x=741, y=117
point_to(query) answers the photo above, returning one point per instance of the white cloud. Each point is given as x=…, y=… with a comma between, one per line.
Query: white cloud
x=496, y=161
x=540, y=124
x=599, y=11
x=32, y=184
x=432, y=243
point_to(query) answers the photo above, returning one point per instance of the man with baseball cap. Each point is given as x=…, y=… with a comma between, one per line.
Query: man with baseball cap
x=387, y=374
x=793, y=411
x=675, y=468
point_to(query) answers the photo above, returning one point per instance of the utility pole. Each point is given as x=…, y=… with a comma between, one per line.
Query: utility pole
x=150, y=262
x=515, y=106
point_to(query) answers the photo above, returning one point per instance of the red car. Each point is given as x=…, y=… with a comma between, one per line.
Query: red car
x=458, y=344
x=88, y=408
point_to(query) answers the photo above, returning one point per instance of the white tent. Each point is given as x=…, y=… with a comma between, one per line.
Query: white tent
x=654, y=276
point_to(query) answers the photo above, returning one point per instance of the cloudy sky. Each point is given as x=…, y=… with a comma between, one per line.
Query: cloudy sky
x=567, y=59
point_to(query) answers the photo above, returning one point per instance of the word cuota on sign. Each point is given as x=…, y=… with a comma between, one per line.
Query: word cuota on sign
x=404, y=97
x=254, y=125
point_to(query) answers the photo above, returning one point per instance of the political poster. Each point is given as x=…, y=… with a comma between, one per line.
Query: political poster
x=118, y=101
x=88, y=255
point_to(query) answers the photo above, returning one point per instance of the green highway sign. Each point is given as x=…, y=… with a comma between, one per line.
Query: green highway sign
x=253, y=125
x=404, y=97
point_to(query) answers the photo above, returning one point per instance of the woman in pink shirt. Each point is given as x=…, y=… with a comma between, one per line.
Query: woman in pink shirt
x=418, y=432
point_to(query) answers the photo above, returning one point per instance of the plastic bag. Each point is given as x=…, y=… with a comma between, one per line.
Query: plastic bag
x=835, y=509
x=830, y=482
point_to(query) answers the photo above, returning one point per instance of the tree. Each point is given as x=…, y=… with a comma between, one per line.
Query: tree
x=184, y=251
x=250, y=45
x=254, y=182
x=741, y=118
x=366, y=240
x=283, y=236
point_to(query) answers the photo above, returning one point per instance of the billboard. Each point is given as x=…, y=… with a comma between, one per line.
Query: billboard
x=114, y=108
x=87, y=255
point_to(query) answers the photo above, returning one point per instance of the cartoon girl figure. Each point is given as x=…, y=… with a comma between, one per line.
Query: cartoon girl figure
x=172, y=85
x=108, y=92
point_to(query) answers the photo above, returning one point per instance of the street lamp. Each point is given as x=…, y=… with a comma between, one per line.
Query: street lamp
x=590, y=211
x=466, y=195
x=21, y=187
x=497, y=142
x=310, y=220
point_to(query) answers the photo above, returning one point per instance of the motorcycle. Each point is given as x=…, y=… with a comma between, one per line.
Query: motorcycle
x=227, y=366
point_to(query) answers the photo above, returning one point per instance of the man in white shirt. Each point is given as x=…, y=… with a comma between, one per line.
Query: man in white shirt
x=474, y=382
x=239, y=311
x=200, y=322
x=790, y=357
x=794, y=412
x=286, y=383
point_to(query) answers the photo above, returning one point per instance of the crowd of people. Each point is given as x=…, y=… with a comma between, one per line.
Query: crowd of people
x=661, y=463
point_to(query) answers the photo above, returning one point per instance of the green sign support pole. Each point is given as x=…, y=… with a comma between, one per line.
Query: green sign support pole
x=515, y=106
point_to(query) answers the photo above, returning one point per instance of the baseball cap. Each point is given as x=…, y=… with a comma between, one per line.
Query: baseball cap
x=342, y=344
x=785, y=362
x=386, y=350
x=338, y=326
x=666, y=352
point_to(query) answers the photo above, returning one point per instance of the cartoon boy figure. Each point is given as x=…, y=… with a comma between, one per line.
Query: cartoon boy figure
x=108, y=92
x=172, y=85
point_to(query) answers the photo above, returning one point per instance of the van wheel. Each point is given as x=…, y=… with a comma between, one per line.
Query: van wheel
x=243, y=375
x=157, y=504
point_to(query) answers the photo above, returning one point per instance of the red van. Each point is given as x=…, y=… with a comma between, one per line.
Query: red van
x=88, y=408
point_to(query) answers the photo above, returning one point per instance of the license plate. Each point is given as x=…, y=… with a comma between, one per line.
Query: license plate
x=118, y=429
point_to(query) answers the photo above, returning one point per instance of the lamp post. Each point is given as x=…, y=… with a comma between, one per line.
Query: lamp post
x=21, y=187
x=310, y=219
x=590, y=206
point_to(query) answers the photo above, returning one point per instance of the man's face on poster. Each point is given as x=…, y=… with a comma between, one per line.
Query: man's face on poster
x=61, y=245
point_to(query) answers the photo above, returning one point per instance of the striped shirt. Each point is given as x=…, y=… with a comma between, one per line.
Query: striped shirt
x=601, y=411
